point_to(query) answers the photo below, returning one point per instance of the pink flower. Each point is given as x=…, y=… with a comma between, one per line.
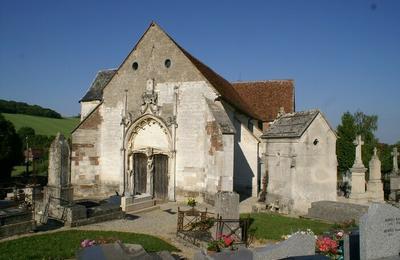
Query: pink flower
x=339, y=234
x=87, y=243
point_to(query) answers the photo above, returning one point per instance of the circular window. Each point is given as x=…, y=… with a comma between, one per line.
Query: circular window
x=167, y=63
x=135, y=65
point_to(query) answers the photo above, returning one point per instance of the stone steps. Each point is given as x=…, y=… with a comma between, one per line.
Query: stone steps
x=155, y=207
x=139, y=205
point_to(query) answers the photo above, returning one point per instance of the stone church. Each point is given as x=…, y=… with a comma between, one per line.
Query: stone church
x=163, y=123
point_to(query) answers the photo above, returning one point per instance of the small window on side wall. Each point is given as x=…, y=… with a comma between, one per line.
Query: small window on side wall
x=135, y=65
x=167, y=63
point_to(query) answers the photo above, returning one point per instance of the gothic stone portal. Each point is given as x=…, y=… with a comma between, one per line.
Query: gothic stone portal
x=148, y=158
x=150, y=175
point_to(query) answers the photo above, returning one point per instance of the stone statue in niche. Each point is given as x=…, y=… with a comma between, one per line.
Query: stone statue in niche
x=150, y=170
x=149, y=98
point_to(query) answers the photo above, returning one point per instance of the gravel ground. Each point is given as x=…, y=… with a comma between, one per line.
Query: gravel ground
x=161, y=223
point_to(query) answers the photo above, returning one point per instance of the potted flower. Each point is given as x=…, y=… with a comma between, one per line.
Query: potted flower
x=192, y=202
x=214, y=246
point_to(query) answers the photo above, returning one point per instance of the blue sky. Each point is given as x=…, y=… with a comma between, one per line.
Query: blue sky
x=343, y=55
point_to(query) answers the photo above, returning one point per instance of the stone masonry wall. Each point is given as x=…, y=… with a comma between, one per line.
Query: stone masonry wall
x=203, y=154
x=301, y=172
x=85, y=156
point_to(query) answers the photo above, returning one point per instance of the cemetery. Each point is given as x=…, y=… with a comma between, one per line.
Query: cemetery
x=173, y=161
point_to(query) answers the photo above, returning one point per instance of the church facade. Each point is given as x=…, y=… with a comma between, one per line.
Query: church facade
x=165, y=124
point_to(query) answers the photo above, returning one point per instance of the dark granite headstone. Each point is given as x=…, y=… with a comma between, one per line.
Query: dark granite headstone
x=352, y=246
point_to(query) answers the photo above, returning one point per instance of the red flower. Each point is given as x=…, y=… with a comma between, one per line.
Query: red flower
x=227, y=240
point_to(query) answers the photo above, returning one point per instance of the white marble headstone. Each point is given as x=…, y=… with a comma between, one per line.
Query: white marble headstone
x=380, y=232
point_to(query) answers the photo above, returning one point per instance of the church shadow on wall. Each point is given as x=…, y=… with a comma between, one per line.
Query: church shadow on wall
x=243, y=175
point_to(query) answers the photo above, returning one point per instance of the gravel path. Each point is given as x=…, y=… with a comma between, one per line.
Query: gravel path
x=161, y=223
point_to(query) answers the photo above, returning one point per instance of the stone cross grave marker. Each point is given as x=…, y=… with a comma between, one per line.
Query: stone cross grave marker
x=358, y=173
x=358, y=161
x=380, y=232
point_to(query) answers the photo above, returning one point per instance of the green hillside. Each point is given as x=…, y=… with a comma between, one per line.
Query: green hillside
x=43, y=125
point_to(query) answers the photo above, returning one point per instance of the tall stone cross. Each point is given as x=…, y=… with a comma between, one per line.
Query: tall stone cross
x=395, y=166
x=358, y=161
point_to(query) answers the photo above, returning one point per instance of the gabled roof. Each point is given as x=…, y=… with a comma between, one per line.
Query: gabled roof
x=95, y=91
x=291, y=125
x=223, y=87
x=267, y=97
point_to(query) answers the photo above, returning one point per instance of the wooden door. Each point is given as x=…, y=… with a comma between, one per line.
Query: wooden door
x=140, y=171
x=160, y=177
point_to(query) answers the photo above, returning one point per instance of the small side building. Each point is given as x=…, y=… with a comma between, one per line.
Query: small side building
x=300, y=158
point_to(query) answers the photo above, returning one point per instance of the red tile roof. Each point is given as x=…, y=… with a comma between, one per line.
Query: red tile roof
x=266, y=97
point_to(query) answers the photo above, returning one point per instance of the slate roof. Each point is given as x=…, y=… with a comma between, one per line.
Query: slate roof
x=291, y=125
x=266, y=97
x=95, y=91
x=221, y=117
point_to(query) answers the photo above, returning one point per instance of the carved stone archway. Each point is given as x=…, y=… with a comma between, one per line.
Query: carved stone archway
x=149, y=136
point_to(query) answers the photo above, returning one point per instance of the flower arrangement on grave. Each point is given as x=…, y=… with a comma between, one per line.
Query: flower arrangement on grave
x=331, y=245
x=306, y=232
x=91, y=242
x=222, y=241
x=192, y=202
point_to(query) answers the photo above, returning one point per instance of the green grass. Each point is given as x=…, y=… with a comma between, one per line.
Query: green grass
x=273, y=226
x=43, y=125
x=18, y=170
x=64, y=244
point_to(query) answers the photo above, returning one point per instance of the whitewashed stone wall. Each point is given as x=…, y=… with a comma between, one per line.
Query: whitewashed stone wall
x=301, y=172
x=204, y=156
x=87, y=107
x=246, y=172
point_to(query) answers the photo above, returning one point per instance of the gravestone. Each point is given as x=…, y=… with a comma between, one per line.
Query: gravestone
x=59, y=184
x=351, y=245
x=395, y=177
x=58, y=192
x=380, y=232
x=358, y=173
x=226, y=207
x=395, y=154
x=296, y=245
x=227, y=204
x=375, y=185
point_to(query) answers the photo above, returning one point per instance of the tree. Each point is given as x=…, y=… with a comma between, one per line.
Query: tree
x=10, y=148
x=385, y=156
x=366, y=125
x=351, y=126
x=345, y=150
x=26, y=131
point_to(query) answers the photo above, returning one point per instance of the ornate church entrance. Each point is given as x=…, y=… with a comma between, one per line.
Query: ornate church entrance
x=150, y=174
x=160, y=177
x=140, y=172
